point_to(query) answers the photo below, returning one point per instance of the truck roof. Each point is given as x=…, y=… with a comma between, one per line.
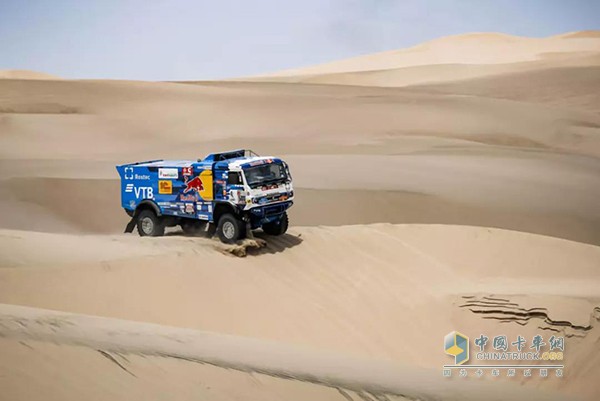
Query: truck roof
x=237, y=158
x=165, y=163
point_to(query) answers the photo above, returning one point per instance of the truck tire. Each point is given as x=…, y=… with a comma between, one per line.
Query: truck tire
x=149, y=224
x=278, y=227
x=230, y=228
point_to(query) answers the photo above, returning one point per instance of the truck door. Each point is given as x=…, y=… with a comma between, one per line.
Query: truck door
x=220, y=184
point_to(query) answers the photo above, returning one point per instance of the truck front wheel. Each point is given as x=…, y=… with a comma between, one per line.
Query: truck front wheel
x=230, y=228
x=149, y=224
x=277, y=227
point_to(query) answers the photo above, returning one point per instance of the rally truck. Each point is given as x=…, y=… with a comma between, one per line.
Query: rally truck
x=234, y=191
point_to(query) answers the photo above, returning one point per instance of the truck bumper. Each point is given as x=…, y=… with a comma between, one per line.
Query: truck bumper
x=264, y=214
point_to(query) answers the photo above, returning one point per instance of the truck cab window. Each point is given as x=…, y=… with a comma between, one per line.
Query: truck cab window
x=234, y=178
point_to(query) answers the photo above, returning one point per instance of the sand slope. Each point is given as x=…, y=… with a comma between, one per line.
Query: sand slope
x=573, y=87
x=336, y=289
x=118, y=339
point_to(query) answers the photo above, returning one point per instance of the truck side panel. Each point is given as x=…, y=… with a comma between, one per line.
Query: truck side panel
x=182, y=191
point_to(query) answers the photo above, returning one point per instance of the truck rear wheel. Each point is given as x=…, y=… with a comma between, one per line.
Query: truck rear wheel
x=277, y=227
x=149, y=224
x=230, y=228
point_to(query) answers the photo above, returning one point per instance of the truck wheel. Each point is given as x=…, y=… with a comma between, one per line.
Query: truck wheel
x=149, y=224
x=230, y=228
x=278, y=227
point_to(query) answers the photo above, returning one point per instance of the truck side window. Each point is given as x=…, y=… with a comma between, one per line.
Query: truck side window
x=234, y=178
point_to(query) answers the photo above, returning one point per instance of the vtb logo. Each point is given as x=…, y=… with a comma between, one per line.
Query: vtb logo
x=457, y=345
x=143, y=192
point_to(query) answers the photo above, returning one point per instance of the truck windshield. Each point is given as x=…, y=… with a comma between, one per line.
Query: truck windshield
x=265, y=174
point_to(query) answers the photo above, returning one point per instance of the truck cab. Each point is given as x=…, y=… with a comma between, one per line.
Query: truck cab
x=234, y=191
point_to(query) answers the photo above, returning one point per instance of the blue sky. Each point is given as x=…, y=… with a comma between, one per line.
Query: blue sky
x=185, y=39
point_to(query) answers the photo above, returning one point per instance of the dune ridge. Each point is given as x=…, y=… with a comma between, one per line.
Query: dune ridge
x=122, y=337
x=473, y=48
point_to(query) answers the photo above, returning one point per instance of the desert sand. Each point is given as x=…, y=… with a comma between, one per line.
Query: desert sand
x=450, y=186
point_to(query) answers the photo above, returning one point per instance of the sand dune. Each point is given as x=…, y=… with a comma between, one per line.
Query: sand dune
x=439, y=157
x=434, y=73
x=467, y=49
x=573, y=88
x=559, y=70
x=56, y=372
x=484, y=146
x=351, y=283
x=117, y=339
x=25, y=74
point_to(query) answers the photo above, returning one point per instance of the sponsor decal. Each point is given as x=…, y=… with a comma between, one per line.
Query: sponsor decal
x=140, y=192
x=200, y=186
x=165, y=187
x=195, y=184
x=267, y=187
x=189, y=208
x=128, y=174
x=193, y=197
x=132, y=203
x=202, y=216
x=187, y=170
x=168, y=173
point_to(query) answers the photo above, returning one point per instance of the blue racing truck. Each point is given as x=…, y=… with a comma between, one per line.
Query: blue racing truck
x=237, y=191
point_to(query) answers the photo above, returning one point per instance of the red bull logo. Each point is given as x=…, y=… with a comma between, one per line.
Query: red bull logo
x=195, y=184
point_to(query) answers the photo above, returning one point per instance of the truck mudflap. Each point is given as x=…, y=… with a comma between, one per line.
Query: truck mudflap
x=131, y=225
